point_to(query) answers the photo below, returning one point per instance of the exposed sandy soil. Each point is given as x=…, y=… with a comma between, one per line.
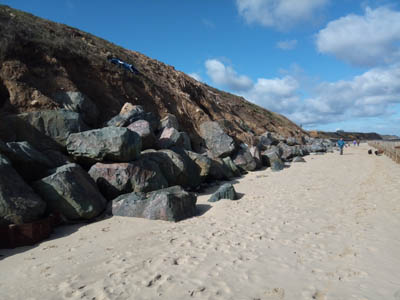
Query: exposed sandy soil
x=324, y=229
x=40, y=58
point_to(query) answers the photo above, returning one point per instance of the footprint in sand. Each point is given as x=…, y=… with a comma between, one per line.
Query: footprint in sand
x=274, y=294
x=197, y=292
x=74, y=288
x=183, y=260
x=313, y=293
x=318, y=295
x=349, y=274
x=153, y=281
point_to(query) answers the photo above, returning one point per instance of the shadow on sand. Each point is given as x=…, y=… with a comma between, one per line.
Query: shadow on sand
x=58, y=232
x=202, y=209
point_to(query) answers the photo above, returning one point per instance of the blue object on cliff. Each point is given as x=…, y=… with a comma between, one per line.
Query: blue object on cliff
x=125, y=65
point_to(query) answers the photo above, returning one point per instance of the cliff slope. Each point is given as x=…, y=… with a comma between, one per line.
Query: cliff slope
x=347, y=136
x=39, y=58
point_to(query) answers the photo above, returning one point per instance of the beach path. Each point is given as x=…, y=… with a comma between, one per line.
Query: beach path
x=325, y=229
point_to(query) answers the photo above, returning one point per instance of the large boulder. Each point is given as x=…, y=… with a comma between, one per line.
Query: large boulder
x=169, y=137
x=264, y=157
x=291, y=141
x=202, y=161
x=128, y=107
x=3, y=147
x=18, y=202
x=308, y=140
x=191, y=178
x=132, y=113
x=256, y=154
x=169, y=121
x=127, y=116
x=288, y=152
x=170, y=204
x=109, y=143
x=143, y=128
x=265, y=140
x=298, y=159
x=274, y=160
x=169, y=169
x=56, y=124
x=329, y=145
x=176, y=166
x=317, y=146
x=244, y=160
x=14, y=129
x=278, y=137
x=57, y=158
x=71, y=192
x=304, y=150
x=225, y=191
x=80, y=103
x=228, y=162
x=217, y=141
x=114, y=179
x=28, y=162
x=186, y=143
x=219, y=170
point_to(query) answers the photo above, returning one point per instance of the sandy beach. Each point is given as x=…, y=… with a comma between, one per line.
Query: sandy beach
x=324, y=229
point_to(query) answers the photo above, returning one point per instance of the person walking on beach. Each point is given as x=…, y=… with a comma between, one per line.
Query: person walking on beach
x=341, y=144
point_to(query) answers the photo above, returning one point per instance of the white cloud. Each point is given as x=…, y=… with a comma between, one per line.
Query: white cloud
x=369, y=40
x=277, y=94
x=281, y=14
x=287, y=45
x=374, y=94
x=195, y=76
x=227, y=76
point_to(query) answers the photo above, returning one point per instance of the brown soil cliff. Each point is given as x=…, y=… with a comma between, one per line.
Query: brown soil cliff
x=39, y=58
x=347, y=136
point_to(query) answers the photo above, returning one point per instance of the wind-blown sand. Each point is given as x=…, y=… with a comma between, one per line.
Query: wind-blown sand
x=325, y=229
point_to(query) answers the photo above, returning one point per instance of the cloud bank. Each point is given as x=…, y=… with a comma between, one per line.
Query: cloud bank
x=375, y=93
x=277, y=94
x=369, y=40
x=281, y=14
x=226, y=76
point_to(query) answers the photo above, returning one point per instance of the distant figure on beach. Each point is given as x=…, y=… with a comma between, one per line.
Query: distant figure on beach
x=358, y=143
x=354, y=143
x=118, y=62
x=341, y=144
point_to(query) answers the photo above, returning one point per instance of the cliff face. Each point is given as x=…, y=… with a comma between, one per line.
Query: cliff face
x=347, y=136
x=39, y=59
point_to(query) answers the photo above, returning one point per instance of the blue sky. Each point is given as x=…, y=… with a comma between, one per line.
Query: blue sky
x=325, y=64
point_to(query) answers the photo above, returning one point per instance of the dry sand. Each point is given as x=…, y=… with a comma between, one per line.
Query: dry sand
x=325, y=229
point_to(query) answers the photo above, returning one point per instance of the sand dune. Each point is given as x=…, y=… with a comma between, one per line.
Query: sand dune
x=324, y=229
